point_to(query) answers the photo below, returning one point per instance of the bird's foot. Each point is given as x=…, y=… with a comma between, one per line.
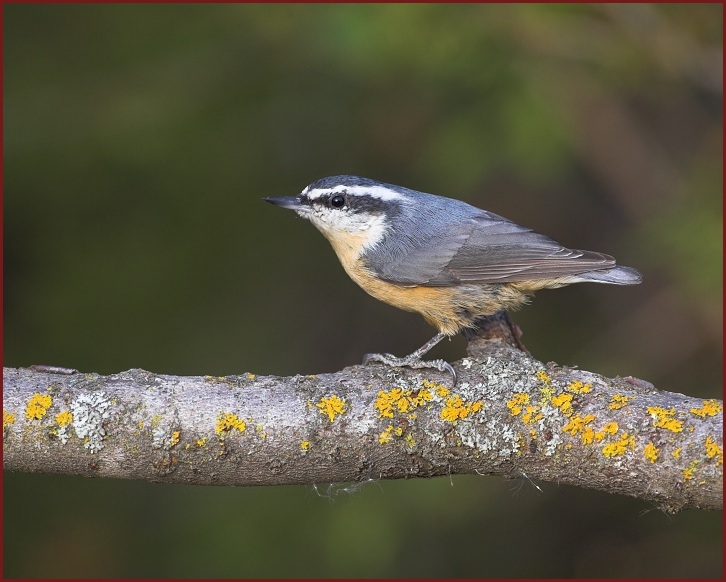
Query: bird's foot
x=411, y=361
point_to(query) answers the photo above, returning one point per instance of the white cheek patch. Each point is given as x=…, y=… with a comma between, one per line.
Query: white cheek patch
x=376, y=231
x=334, y=223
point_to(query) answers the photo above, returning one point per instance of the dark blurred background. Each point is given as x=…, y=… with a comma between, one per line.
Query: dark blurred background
x=139, y=141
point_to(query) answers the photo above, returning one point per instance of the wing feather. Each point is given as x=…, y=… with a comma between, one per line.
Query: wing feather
x=487, y=248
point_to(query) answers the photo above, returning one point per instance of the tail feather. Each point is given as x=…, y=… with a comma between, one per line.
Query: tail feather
x=614, y=276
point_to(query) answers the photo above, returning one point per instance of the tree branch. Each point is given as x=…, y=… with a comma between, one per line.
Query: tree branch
x=509, y=415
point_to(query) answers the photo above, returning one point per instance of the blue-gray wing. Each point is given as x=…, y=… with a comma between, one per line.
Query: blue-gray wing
x=484, y=248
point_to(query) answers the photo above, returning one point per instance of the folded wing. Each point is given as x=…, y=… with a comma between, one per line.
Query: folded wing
x=490, y=249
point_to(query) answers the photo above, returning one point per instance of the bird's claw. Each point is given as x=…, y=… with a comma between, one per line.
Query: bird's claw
x=411, y=362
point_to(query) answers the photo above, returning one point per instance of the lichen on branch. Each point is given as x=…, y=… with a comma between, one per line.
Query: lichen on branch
x=508, y=415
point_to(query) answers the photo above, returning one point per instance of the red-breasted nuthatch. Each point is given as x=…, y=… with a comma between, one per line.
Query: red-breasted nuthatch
x=443, y=258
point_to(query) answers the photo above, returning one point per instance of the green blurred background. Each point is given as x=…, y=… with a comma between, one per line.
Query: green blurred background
x=139, y=140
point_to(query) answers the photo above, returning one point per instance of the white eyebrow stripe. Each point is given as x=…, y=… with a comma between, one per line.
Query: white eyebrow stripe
x=380, y=192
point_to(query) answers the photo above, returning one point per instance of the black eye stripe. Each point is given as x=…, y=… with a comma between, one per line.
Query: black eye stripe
x=356, y=203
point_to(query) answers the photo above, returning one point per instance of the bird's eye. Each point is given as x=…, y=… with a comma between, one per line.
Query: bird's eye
x=337, y=201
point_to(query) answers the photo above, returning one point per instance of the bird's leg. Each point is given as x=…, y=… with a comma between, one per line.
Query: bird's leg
x=414, y=360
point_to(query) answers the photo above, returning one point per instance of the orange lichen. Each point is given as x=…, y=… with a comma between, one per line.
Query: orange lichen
x=677, y=453
x=578, y=423
x=64, y=418
x=564, y=403
x=403, y=404
x=663, y=418
x=457, y=408
x=590, y=436
x=38, y=406
x=399, y=400
x=174, y=438
x=714, y=451
x=8, y=419
x=388, y=433
x=516, y=402
x=620, y=446
x=610, y=428
x=651, y=452
x=688, y=472
x=331, y=406
x=305, y=446
x=385, y=403
x=618, y=401
x=709, y=408
x=439, y=389
x=532, y=414
x=543, y=376
x=421, y=397
x=227, y=422
x=578, y=387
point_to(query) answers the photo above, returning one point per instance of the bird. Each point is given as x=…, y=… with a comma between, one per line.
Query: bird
x=443, y=258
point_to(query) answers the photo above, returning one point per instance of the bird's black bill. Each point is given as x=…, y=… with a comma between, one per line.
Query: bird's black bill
x=291, y=202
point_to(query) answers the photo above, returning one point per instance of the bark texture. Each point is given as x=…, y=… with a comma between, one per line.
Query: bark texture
x=508, y=415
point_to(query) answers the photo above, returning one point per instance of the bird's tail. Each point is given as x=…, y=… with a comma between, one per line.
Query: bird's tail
x=614, y=276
